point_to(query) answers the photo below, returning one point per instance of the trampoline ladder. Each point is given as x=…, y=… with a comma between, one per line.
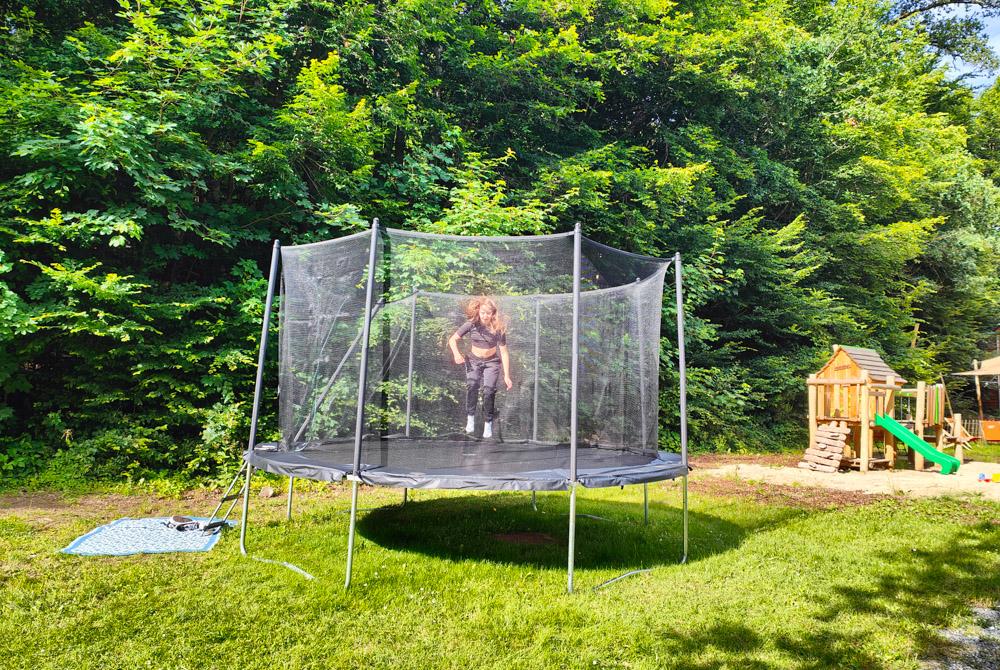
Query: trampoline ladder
x=216, y=521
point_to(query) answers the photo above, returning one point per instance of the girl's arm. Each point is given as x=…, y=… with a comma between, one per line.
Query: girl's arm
x=456, y=354
x=505, y=360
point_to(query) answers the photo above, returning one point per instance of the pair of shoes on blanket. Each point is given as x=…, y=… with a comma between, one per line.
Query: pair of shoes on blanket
x=182, y=523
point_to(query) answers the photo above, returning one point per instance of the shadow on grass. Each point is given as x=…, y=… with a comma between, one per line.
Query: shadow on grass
x=504, y=528
x=923, y=586
x=913, y=592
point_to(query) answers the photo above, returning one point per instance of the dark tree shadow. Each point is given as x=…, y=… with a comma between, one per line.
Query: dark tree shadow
x=923, y=586
x=919, y=586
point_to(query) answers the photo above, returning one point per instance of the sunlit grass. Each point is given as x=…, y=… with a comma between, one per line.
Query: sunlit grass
x=440, y=583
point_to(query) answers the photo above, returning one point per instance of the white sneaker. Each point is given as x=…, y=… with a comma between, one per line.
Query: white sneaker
x=488, y=429
x=470, y=424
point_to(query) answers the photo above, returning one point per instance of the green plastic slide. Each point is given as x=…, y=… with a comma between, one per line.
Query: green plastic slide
x=949, y=464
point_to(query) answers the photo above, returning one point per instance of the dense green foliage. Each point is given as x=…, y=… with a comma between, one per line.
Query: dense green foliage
x=824, y=179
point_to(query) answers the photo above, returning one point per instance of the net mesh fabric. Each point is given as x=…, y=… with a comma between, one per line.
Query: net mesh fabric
x=415, y=410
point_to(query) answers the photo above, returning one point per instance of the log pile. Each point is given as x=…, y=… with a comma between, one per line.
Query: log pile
x=828, y=452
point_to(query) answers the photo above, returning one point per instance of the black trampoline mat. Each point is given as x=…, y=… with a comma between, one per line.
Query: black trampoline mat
x=469, y=464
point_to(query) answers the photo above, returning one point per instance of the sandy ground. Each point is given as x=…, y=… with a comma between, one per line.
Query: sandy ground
x=877, y=482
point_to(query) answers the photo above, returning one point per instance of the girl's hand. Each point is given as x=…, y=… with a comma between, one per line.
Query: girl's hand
x=508, y=382
x=459, y=359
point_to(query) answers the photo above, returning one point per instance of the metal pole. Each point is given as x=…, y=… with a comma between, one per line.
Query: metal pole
x=409, y=369
x=534, y=501
x=246, y=511
x=406, y=495
x=272, y=282
x=645, y=504
x=642, y=370
x=682, y=370
x=534, y=401
x=572, y=535
x=684, y=558
x=291, y=488
x=360, y=417
x=350, y=532
x=575, y=363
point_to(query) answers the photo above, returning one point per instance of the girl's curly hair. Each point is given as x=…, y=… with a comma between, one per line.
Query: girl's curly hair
x=472, y=312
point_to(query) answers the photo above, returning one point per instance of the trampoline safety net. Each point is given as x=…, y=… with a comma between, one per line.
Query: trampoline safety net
x=414, y=420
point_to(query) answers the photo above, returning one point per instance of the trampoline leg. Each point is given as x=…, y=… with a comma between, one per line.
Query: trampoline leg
x=534, y=501
x=246, y=511
x=406, y=493
x=572, y=536
x=291, y=488
x=350, y=533
x=645, y=504
x=684, y=558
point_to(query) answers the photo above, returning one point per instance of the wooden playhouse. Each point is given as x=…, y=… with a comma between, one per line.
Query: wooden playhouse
x=847, y=394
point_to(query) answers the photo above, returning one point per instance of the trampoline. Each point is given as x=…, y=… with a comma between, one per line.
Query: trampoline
x=369, y=391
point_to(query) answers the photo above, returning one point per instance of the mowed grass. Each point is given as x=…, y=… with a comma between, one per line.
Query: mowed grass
x=459, y=580
x=984, y=451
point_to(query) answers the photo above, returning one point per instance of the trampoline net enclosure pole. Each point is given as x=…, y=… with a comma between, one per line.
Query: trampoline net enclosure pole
x=362, y=386
x=272, y=281
x=574, y=373
x=682, y=371
x=534, y=400
x=642, y=377
x=409, y=366
x=575, y=355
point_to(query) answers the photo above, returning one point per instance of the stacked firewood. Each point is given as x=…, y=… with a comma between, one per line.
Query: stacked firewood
x=828, y=452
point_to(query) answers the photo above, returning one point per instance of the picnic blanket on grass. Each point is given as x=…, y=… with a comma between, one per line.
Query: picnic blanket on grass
x=125, y=537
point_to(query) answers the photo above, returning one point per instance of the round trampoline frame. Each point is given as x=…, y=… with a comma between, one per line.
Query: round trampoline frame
x=327, y=461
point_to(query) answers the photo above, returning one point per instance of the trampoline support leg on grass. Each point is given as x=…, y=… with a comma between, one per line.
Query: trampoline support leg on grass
x=684, y=558
x=359, y=423
x=645, y=504
x=572, y=536
x=246, y=511
x=350, y=532
x=406, y=493
x=291, y=489
x=534, y=501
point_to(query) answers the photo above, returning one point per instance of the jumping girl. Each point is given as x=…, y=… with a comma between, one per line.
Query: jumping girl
x=487, y=353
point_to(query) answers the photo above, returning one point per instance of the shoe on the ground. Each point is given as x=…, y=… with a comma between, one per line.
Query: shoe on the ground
x=488, y=429
x=470, y=424
x=183, y=523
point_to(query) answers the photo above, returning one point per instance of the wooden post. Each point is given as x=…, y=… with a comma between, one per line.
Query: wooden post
x=890, y=411
x=812, y=412
x=956, y=432
x=979, y=392
x=940, y=420
x=851, y=445
x=918, y=423
x=864, y=410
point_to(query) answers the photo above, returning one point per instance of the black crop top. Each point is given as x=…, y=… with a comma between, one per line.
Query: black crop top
x=480, y=336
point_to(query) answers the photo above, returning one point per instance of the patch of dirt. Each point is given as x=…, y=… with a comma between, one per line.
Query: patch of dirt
x=524, y=538
x=45, y=509
x=709, y=461
x=802, y=497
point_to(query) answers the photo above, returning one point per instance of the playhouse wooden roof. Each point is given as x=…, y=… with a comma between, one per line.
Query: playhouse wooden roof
x=870, y=361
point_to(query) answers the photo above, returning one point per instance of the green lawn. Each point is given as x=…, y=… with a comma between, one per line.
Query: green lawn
x=767, y=586
x=984, y=451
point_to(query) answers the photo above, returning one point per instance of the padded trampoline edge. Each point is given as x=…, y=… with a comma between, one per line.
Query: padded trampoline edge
x=549, y=480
